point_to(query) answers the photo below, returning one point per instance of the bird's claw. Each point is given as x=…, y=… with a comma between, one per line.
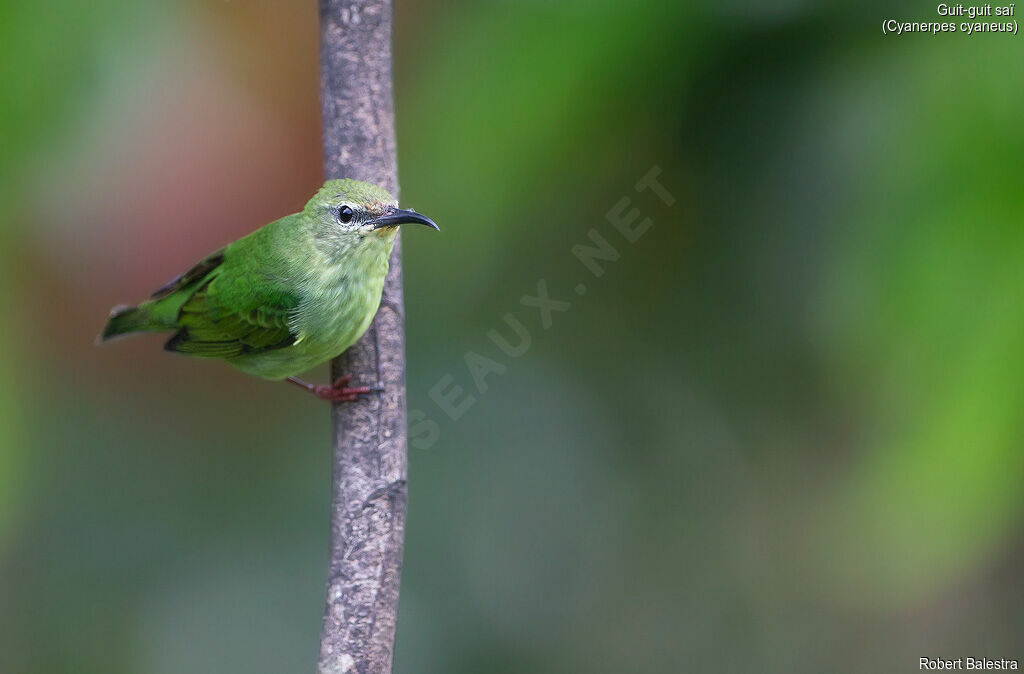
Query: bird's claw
x=339, y=392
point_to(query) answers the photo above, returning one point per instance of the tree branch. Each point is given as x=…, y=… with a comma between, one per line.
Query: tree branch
x=369, y=464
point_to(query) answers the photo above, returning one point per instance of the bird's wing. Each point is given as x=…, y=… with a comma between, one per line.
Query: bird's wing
x=196, y=273
x=238, y=305
x=211, y=329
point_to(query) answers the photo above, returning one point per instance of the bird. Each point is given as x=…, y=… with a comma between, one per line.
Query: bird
x=289, y=296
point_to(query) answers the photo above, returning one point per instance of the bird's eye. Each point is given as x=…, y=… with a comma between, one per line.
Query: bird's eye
x=345, y=214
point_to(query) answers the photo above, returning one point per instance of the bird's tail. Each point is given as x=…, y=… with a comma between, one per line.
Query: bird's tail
x=124, y=320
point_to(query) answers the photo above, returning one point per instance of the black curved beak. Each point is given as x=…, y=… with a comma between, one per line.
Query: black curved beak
x=399, y=216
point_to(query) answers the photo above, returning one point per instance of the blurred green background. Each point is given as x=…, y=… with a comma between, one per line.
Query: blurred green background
x=781, y=433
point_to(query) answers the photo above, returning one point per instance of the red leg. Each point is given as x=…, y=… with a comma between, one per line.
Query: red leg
x=336, y=392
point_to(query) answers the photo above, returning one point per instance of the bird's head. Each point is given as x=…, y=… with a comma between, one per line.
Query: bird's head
x=353, y=207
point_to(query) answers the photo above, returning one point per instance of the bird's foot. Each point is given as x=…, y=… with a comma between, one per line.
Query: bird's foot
x=337, y=392
x=340, y=392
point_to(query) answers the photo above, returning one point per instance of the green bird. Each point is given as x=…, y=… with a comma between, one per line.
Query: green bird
x=291, y=295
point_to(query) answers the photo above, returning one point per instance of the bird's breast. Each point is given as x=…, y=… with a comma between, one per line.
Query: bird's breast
x=339, y=306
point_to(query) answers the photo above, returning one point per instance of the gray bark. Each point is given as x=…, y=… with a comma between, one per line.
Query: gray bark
x=369, y=464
